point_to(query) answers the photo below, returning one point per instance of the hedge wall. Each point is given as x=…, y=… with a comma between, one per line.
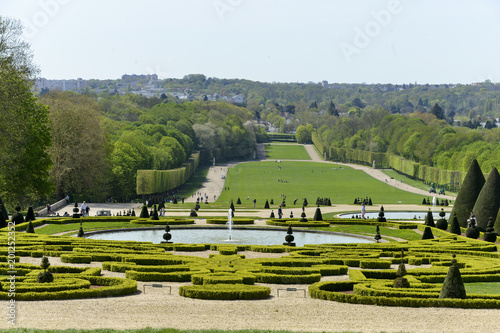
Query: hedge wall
x=398, y=163
x=158, y=181
x=320, y=145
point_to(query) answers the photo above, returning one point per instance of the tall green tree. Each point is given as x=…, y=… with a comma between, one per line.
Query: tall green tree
x=24, y=131
x=332, y=110
x=437, y=111
x=78, y=152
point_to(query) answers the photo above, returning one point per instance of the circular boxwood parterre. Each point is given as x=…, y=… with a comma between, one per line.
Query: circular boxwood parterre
x=368, y=270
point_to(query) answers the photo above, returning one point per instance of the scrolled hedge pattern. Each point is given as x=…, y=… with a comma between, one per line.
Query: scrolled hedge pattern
x=369, y=268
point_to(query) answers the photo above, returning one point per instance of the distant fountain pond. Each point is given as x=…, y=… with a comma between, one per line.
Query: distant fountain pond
x=238, y=235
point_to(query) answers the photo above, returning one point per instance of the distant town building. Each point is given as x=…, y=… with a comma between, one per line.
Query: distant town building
x=77, y=85
x=324, y=84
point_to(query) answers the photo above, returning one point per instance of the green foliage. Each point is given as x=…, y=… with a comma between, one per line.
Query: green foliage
x=454, y=225
x=44, y=277
x=144, y=212
x=159, y=181
x=453, y=286
x=30, y=228
x=315, y=180
x=429, y=220
x=24, y=135
x=225, y=292
x=427, y=233
x=468, y=194
x=488, y=200
x=317, y=215
x=286, y=152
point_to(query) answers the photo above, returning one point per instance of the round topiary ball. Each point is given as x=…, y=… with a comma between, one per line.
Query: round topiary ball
x=44, y=277
x=472, y=232
x=442, y=224
x=401, y=282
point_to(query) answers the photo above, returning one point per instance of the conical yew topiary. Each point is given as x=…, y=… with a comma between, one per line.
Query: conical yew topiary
x=30, y=215
x=155, y=217
x=454, y=226
x=317, y=215
x=427, y=233
x=381, y=215
x=30, y=229
x=453, y=286
x=429, y=219
x=266, y=205
x=238, y=202
x=488, y=201
x=469, y=191
x=144, y=212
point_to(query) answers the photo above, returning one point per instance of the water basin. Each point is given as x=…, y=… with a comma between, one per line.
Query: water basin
x=238, y=236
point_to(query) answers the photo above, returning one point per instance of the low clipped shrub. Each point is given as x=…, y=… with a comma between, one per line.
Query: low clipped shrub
x=76, y=259
x=159, y=276
x=236, y=221
x=225, y=292
x=45, y=277
x=287, y=278
x=222, y=278
x=375, y=264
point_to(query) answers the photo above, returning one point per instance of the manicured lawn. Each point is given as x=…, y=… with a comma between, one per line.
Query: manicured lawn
x=369, y=230
x=286, y=152
x=483, y=288
x=299, y=180
x=51, y=229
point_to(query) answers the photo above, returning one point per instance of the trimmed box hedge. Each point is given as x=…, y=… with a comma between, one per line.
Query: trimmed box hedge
x=225, y=292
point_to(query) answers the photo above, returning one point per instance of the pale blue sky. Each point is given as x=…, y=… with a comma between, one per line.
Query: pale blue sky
x=372, y=41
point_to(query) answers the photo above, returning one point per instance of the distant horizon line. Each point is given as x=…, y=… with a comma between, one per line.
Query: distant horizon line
x=281, y=82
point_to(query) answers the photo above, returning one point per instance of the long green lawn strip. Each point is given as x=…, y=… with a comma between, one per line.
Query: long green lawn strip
x=489, y=288
x=286, y=152
x=300, y=179
x=51, y=229
x=369, y=230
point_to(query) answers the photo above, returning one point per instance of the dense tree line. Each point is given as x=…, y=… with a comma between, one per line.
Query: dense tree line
x=420, y=137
